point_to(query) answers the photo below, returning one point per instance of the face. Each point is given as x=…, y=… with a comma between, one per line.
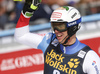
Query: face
x=60, y=30
x=61, y=36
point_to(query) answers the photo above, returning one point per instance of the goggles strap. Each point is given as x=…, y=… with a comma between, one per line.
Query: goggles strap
x=64, y=39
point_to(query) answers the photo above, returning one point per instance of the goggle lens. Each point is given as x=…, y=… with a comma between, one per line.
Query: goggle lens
x=60, y=26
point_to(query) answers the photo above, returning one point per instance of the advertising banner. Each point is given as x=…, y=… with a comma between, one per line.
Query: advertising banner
x=21, y=62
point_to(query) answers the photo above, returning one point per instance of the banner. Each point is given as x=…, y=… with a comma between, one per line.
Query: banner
x=19, y=62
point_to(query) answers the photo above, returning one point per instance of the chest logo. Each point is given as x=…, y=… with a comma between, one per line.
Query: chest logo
x=58, y=61
x=73, y=63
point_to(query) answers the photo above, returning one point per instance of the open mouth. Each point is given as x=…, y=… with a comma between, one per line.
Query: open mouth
x=59, y=36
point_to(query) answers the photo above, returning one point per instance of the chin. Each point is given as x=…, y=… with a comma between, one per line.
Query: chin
x=60, y=41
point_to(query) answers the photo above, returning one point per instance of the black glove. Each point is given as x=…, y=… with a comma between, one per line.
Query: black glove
x=30, y=6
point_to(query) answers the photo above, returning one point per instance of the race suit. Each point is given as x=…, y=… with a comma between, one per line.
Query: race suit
x=74, y=59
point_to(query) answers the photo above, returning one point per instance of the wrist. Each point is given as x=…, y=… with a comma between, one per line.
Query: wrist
x=27, y=14
x=23, y=21
x=27, y=11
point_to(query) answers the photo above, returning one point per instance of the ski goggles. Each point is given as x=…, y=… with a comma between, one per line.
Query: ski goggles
x=63, y=26
x=59, y=26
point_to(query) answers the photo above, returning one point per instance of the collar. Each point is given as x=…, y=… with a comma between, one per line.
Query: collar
x=73, y=48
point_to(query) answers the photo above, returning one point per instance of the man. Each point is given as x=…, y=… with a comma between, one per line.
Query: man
x=63, y=53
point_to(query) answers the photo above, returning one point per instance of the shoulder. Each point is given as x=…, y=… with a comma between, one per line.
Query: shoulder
x=92, y=55
x=91, y=64
x=46, y=41
x=50, y=36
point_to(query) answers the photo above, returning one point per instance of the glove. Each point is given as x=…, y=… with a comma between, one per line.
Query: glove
x=30, y=6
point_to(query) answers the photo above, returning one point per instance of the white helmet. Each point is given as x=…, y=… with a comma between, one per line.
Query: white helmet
x=70, y=15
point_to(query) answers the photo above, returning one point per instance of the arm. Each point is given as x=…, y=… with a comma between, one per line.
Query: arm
x=91, y=63
x=22, y=34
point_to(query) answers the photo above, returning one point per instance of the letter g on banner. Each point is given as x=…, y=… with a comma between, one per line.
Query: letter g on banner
x=56, y=72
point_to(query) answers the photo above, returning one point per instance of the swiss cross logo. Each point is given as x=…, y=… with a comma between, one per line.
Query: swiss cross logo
x=56, y=15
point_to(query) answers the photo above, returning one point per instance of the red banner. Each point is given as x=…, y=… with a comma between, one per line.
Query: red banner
x=94, y=44
x=24, y=61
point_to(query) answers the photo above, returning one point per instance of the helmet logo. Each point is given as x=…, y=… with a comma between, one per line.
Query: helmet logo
x=76, y=22
x=72, y=23
x=66, y=7
x=74, y=15
x=56, y=15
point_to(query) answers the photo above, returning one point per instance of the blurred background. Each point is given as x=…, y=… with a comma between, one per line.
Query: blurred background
x=10, y=12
